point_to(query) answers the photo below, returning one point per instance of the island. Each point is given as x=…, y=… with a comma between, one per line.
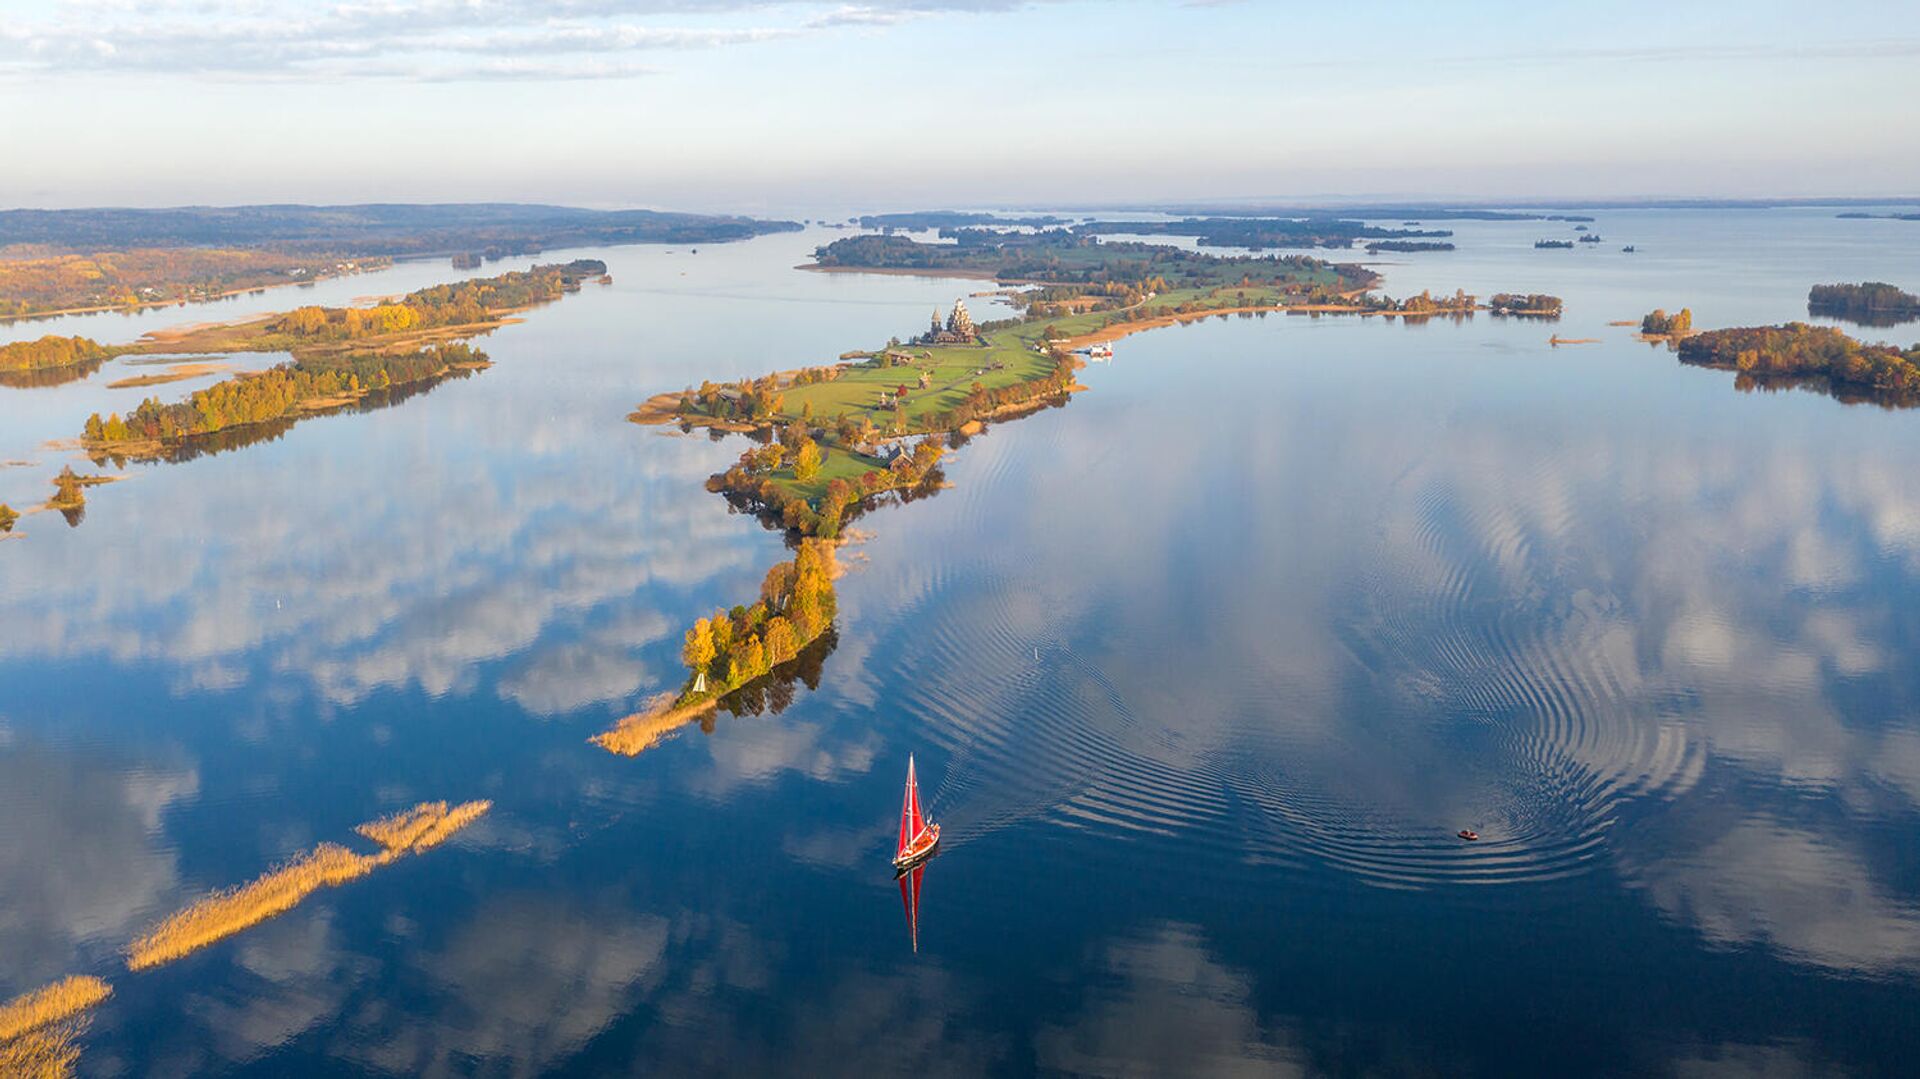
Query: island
x=836, y=440
x=70, y=261
x=1257, y=233
x=922, y=220
x=52, y=354
x=1553, y=245
x=1525, y=305
x=341, y=356
x=1378, y=246
x=1873, y=303
x=1814, y=357
x=1658, y=325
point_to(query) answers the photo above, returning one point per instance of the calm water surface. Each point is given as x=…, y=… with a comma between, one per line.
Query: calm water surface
x=1202, y=671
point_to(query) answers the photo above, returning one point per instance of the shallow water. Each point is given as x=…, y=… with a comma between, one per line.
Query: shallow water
x=1202, y=671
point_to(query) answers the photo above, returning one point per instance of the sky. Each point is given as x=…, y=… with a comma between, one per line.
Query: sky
x=804, y=108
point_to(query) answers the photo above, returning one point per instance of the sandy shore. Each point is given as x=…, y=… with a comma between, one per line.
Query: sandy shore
x=177, y=374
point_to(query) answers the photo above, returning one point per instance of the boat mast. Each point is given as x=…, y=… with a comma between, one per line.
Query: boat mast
x=906, y=812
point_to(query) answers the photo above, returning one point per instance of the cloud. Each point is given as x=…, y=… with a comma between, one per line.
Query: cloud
x=82, y=862
x=1175, y=1010
x=423, y=40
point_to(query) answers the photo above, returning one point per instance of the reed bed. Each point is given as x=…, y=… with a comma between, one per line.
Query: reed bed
x=399, y=831
x=46, y=1053
x=642, y=731
x=62, y=1000
x=423, y=827
x=225, y=913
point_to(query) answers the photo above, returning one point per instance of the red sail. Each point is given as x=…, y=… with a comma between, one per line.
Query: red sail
x=913, y=800
x=909, y=813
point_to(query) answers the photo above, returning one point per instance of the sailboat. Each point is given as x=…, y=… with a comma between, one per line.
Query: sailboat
x=918, y=836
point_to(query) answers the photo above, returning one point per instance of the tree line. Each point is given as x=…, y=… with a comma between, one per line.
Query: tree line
x=730, y=649
x=1657, y=323
x=1527, y=303
x=761, y=480
x=1875, y=301
x=458, y=304
x=51, y=351
x=279, y=391
x=1798, y=350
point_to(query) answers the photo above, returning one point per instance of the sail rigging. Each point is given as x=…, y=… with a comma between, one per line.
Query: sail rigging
x=917, y=834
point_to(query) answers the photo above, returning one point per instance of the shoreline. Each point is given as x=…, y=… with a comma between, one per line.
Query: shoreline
x=152, y=305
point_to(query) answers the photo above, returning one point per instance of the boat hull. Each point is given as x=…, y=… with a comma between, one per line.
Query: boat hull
x=920, y=849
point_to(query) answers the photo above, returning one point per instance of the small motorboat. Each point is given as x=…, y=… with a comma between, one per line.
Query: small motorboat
x=1468, y=834
x=918, y=836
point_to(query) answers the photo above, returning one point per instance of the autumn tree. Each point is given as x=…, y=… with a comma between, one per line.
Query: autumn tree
x=698, y=652
x=806, y=463
x=68, y=490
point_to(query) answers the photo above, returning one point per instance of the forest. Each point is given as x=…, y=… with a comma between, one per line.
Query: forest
x=51, y=351
x=1261, y=232
x=1872, y=303
x=57, y=260
x=1378, y=246
x=947, y=219
x=354, y=231
x=462, y=303
x=34, y=280
x=281, y=391
x=731, y=649
x=1538, y=304
x=811, y=481
x=1800, y=351
x=1059, y=257
x=1658, y=323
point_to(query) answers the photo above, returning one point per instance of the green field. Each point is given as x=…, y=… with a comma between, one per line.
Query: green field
x=836, y=463
x=953, y=369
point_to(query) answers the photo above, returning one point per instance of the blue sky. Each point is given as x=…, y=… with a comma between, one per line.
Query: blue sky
x=809, y=108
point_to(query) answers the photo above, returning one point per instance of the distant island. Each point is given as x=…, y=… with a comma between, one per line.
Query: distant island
x=1858, y=215
x=66, y=261
x=1056, y=256
x=1798, y=354
x=923, y=220
x=1261, y=232
x=1658, y=324
x=1550, y=245
x=1525, y=304
x=1874, y=303
x=343, y=358
x=1378, y=246
x=1376, y=211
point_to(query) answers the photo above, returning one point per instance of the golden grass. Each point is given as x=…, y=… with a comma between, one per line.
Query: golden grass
x=642, y=731
x=176, y=374
x=51, y=1004
x=47, y=1053
x=426, y=825
x=225, y=913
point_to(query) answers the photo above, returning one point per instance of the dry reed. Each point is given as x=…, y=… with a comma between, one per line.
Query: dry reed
x=50, y=1004
x=46, y=1053
x=642, y=731
x=225, y=913
x=38, y=1029
x=426, y=825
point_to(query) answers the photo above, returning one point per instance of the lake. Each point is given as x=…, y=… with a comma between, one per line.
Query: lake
x=1202, y=673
